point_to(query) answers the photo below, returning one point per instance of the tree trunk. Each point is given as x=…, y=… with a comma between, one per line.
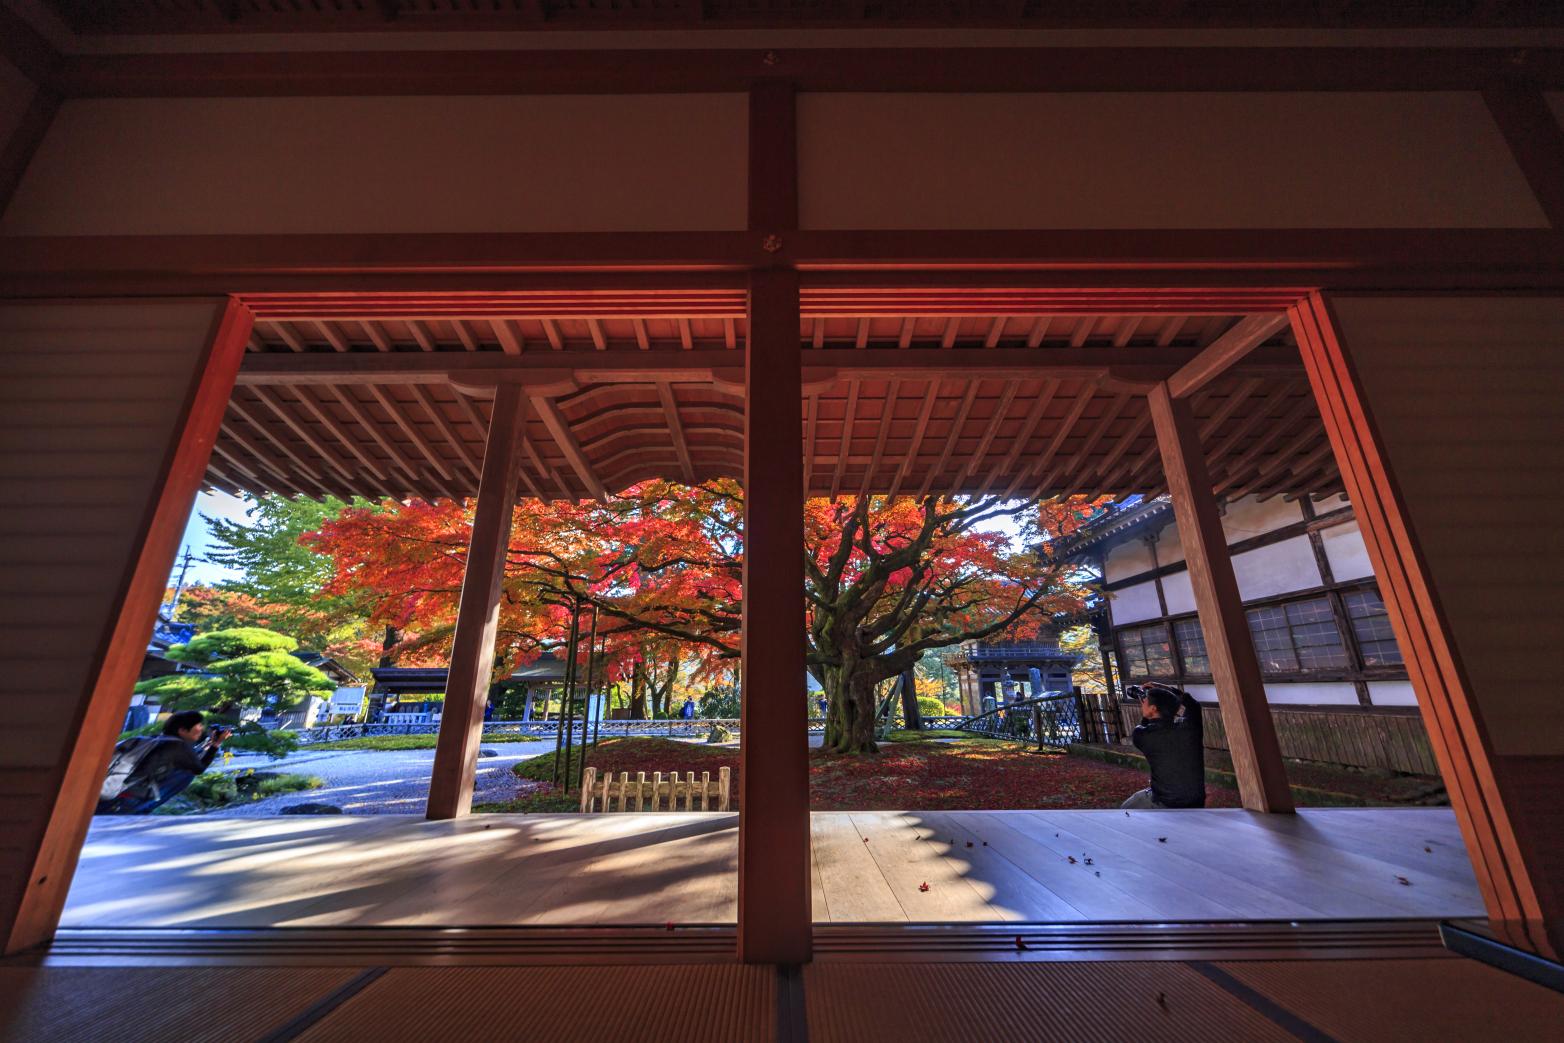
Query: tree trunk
x=909, y=701
x=387, y=642
x=850, y=708
x=638, y=692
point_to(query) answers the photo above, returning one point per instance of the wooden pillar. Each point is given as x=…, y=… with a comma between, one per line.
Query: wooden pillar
x=1246, y=716
x=774, y=894
x=94, y=504
x=478, y=616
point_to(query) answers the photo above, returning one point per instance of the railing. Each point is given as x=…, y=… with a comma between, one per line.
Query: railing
x=1014, y=652
x=542, y=729
x=1052, y=719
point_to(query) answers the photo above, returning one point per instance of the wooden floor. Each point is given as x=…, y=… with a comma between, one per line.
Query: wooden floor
x=875, y=867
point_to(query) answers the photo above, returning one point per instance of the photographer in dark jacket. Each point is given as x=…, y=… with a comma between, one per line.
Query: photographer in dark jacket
x=148, y=770
x=1173, y=747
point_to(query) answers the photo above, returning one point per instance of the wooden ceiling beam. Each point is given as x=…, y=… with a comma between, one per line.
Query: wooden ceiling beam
x=510, y=340
x=559, y=428
x=676, y=431
x=551, y=331
x=1221, y=354
x=439, y=367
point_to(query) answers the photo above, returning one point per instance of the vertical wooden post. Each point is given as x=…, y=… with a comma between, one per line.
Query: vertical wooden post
x=478, y=615
x=1246, y=716
x=774, y=914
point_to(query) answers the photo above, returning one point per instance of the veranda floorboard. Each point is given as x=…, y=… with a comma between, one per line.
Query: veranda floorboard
x=1015, y=894
x=1245, y=898
x=930, y=887
x=1333, y=857
x=1110, y=867
x=1318, y=875
x=652, y=868
x=855, y=887
x=1021, y=843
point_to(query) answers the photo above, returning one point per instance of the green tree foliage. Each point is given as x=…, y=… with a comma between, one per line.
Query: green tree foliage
x=243, y=667
x=284, y=582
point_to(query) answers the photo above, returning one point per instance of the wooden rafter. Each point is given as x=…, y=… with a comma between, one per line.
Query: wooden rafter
x=559, y=429
x=887, y=418
x=676, y=431
x=951, y=439
x=1220, y=355
x=916, y=445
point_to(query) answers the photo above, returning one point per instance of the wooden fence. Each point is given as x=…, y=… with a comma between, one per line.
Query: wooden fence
x=643, y=794
x=1383, y=737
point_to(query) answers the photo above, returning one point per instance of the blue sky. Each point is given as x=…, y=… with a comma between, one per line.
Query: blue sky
x=219, y=505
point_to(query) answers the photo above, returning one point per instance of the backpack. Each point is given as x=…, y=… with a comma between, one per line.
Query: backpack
x=128, y=756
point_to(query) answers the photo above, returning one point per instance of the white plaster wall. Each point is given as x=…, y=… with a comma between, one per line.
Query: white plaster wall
x=1290, y=694
x=1392, y=693
x=1322, y=694
x=169, y=166
x=1127, y=559
x=1179, y=592
x=1346, y=552
x=1276, y=569
x=1133, y=604
x=1250, y=517
x=1170, y=546
x=1081, y=160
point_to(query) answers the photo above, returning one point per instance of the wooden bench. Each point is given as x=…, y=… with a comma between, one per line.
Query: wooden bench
x=658, y=793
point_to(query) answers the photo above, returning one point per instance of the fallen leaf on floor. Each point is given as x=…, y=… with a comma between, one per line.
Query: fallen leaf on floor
x=1428, y=850
x=668, y=926
x=1088, y=861
x=1162, y=840
x=865, y=840
x=1403, y=881
x=1071, y=858
x=1162, y=1000
x=923, y=886
x=1020, y=942
x=969, y=843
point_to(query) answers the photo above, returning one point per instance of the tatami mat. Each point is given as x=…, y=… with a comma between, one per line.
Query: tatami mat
x=1452, y=1001
x=168, y=1005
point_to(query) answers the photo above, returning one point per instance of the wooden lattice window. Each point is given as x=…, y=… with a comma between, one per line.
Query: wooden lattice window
x=1298, y=637
x=1192, y=647
x=1147, y=651
x=1371, y=626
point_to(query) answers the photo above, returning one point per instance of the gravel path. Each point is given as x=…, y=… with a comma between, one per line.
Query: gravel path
x=379, y=782
x=387, y=782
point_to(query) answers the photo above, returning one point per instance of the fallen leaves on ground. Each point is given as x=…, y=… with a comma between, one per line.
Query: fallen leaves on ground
x=906, y=776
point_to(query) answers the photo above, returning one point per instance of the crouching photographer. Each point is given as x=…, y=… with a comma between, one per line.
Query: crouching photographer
x=149, y=770
x=1170, y=738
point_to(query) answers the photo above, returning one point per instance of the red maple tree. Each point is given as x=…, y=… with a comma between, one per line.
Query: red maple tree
x=885, y=581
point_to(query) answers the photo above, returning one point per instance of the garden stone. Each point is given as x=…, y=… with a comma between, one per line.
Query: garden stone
x=310, y=809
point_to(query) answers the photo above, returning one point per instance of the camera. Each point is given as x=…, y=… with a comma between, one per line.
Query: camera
x=1135, y=692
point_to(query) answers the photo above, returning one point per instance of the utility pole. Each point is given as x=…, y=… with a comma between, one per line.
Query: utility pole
x=179, y=585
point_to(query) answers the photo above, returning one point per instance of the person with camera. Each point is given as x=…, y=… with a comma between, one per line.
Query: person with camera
x=1169, y=736
x=148, y=771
